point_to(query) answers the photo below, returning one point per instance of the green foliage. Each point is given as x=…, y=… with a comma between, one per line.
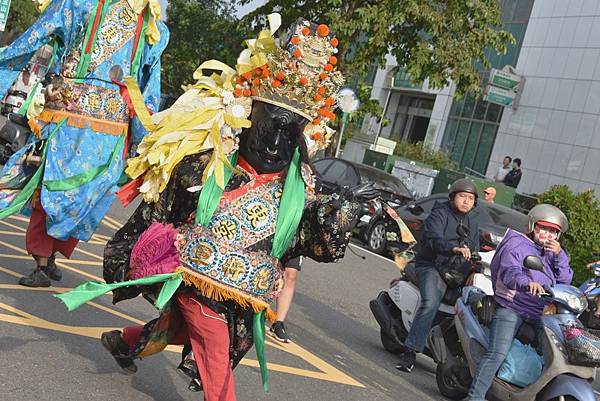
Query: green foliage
x=583, y=237
x=436, y=39
x=21, y=16
x=421, y=153
x=200, y=30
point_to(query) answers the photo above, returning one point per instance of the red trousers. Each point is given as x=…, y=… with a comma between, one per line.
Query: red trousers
x=37, y=240
x=208, y=334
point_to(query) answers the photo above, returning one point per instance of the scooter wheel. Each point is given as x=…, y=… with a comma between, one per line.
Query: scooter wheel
x=389, y=343
x=447, y=383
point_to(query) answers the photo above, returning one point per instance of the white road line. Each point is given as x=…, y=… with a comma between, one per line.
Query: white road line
x=372, y=253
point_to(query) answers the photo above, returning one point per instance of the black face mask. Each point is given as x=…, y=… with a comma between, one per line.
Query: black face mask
x=269, y=144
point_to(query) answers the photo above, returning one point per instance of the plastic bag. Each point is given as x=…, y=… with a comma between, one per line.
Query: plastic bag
x=522, y=365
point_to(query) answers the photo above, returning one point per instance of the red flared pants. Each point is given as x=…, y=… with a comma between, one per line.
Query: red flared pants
x=208, y=334
x=37, y=240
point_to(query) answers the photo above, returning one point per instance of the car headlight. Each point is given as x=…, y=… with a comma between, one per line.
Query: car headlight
x=575, y=303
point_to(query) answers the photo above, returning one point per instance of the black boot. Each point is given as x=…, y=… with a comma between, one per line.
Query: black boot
x=36, y=279
x=407, y=361
x=119, y=349
x=52, y=271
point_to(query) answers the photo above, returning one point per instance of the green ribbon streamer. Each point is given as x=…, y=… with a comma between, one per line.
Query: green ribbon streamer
x=258, y=330
x=135, y=63
x=291, y=208
x=25, y=194
x=66, y=184
x=211, y=195
x=93, y=289
x=84, y=62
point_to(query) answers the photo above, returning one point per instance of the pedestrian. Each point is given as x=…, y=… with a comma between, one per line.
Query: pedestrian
x=503, y=169
x=513, y=178
x=218, y=245
x=71, y=168
x=517, y=289
x=284, y=302
x=440, y=241
x=489, y=194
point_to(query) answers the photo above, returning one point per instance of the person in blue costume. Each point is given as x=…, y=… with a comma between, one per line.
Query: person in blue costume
x=69, y=172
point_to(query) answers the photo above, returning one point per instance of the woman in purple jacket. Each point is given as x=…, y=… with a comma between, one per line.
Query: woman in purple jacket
x=516, y=288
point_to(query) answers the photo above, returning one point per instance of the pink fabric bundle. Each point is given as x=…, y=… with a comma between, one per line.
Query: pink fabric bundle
x=155, y=252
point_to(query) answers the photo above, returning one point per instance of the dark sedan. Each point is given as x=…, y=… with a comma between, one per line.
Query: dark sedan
x=345, y=173
x=494, y=219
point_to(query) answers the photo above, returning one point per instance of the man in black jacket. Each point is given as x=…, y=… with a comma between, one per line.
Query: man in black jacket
x=440, y=242
x=513, y=178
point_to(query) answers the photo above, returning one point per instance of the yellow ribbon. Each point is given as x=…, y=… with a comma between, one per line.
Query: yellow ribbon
x=256, y=54
x=152, y=32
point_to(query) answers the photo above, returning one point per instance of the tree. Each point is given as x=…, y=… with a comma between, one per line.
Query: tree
x=21, y=16
x=440, y=40
x=200, y=30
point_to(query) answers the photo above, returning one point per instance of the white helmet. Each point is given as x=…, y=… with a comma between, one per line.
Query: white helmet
x=547, y=215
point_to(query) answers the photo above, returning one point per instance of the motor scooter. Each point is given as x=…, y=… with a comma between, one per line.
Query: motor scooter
x=560, y=380
x=395, y=308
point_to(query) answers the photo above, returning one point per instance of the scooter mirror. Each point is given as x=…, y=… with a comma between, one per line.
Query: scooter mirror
x=533, y=263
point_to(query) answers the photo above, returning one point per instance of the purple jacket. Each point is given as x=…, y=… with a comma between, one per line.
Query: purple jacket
x=511, y=279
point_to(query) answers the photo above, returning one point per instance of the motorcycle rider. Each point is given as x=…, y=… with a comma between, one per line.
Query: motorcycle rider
x=440, y=242
x=516, y=288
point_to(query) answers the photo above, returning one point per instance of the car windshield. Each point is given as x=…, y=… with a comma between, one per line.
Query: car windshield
x=383, y=180
x=337, y=171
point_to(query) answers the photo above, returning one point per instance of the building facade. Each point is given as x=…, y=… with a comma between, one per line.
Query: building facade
x=555, y=130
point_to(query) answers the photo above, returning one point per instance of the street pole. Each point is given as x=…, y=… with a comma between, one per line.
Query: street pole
x=385, y=106
x=339, y=142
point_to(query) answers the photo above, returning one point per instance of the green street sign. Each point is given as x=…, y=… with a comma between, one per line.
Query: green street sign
x=499, y=96
x=4, y=7
x=504, y=79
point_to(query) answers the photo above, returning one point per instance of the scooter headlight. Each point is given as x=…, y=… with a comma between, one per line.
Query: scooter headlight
x=575, y=303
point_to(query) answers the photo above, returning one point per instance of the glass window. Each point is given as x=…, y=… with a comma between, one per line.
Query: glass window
x=338, y=172
x=461, y=138
x=471, y=146
x=467, y=111
x=494, y=112
x=449, y=133
x=486, y=143
x=480, y=106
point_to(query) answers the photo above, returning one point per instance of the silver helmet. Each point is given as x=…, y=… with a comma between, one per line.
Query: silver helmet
x=549, y=214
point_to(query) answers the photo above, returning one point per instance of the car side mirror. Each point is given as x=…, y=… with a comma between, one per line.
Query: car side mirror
x=533, y=263
x=415, y=209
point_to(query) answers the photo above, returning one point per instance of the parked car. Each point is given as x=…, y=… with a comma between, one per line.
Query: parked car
x=350, y=174
x=494, y=219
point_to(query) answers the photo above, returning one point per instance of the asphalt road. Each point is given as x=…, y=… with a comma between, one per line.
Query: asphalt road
x=50, y=354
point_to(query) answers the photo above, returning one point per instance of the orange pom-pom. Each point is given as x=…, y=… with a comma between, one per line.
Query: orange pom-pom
x=305, y=31
x=317, y=136
x=323, y=76
x=303, y=81
x=321, y=90
x=329, y=102
x=328, y=67
x=295, y=40
x=258, y=72
x=239, y=80
x=322, y=30
x=316, y=121
x=318, y=98
x=248, y=75
x=266, y=72
x=332, y=117
x=334, y=42
x=297, y=53
x=247, y=92
x=323, y=112
x=280, y=75
x=237, y=92
x=254, y=92
x=256, y=82
x=276, y=83
x=333, y=60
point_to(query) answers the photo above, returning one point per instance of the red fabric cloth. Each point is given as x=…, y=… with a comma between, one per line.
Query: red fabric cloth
x=208, y=334
x=37, y=240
